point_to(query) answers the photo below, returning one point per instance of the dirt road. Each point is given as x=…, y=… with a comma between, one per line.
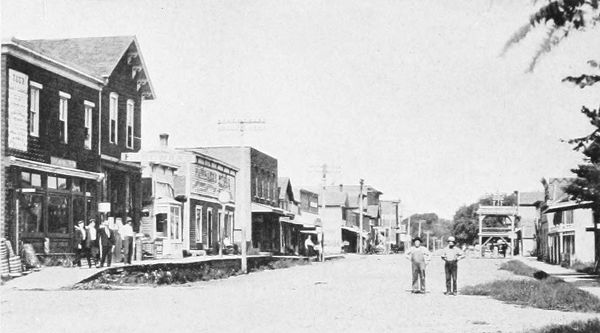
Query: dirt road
x=357, y=294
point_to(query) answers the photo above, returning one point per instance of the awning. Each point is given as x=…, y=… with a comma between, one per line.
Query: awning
x=567, y=206
x=289, y=220
x=50, y=168
x=260, y=208
x=356, y=231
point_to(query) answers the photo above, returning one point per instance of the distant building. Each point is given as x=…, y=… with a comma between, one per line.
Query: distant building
x=390, y=221
x=196, y=179
x=70, y=108
x=570, y=226
x=529, y=215
x=256, y=195
x=301, y=217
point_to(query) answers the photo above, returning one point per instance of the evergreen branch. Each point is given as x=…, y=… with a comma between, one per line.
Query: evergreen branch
x=583, y=80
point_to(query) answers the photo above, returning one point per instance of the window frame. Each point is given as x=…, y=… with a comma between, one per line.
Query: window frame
x=34, y=108
x=198, y=223
x=63, y=115
x=129, y=124
x=113, y=115
x=88, y=116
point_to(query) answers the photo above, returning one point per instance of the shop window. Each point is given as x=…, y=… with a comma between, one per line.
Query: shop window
x=198, y=224
x=79, y=209
x=52, y=182
x=76, y=185
x=30, y=213
x=209, y=222
x=175, y=219
x=57, y=183
x=58, y=215
x=161, y=223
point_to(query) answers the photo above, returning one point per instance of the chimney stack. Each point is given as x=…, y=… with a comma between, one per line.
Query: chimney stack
x=164, y=140
x=341, y=187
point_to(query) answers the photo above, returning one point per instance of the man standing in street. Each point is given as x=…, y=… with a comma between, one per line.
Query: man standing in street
x=127, y=235
x=309, y=245
x=419, y=257
x=451, y=255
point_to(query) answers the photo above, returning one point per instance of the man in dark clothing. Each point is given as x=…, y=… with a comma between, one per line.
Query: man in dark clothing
x=106, y=239
x=80, y=247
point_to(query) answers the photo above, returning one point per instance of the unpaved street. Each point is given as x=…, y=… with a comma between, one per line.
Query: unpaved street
x=357, y=294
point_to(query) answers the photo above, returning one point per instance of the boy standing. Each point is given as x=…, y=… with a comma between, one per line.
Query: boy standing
x=419, y=257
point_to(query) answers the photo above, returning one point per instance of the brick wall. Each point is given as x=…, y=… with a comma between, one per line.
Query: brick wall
x=264, y=169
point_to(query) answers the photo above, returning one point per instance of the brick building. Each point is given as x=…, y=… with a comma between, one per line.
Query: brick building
x=70, y=108
x=257, y=197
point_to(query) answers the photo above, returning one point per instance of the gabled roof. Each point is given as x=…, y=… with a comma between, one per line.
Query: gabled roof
x=530, y=198
x=95, y=56
x=334, y=198
x=285, y=187
x=557, y=189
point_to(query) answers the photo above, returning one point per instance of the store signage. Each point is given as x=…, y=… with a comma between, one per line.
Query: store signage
x=63, y=162
x=17, y=110
x=205, y=181
x=104, y=207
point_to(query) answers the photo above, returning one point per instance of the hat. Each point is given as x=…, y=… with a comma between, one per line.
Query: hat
x=129, y=219
x=417, y=239
x=451, y=239
x=80, y=222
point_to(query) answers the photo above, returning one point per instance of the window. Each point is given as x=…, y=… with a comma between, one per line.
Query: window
x=175, y=221
x=114, y=117
x=130, y=109
x=198, y=224
x=29, y=179
x=30, y=213
x=88, y=124
x=63, y=117
x=209, y=222
x=161, y=223
x=34, y=108
x=57, y=183
x=58, y=214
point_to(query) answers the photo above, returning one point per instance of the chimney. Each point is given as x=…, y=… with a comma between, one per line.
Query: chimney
x=341, y=187
x=164, y=140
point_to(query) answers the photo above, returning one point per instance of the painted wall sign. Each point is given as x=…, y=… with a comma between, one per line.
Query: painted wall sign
x=205, y=181
x=17, y=110
x=63, y=162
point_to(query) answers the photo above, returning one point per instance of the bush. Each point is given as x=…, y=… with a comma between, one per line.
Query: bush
x=518, y=267
x=549, y=294
x=253, y=251
x=584, y=267
x=580, y=326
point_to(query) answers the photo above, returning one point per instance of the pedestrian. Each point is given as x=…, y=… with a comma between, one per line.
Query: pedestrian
x=91, y=242
x=116, y=227
x=419, y=257
x=106, y=240
x=79, y=243
x=451, y=255
x=127, y=235
x=309, y=245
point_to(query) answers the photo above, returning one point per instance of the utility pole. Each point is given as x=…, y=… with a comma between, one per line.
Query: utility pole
x=240, y=125
x=427, y=233
x=360, y=216
x=408, y=235
x=420, y=221
x=324, y=169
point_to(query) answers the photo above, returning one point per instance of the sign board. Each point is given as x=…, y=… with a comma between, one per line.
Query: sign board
x=205, y=181
x=17, y=110
x=63, y=162
x=104, y=207
x=224, y=197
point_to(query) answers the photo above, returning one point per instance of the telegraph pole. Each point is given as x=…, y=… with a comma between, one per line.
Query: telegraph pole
x=324, y=169
x=420, y=221
x=360, y=217
x=240, y=125
x=427, y=233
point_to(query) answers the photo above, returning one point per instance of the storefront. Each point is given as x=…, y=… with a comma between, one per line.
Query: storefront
x=162, y=224
x=45, y=201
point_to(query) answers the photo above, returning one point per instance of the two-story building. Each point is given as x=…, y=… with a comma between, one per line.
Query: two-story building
x=256, y=195
x=570, y=226
x=70, y=108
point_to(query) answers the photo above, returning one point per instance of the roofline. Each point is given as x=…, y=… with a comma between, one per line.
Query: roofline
x=13, y=48
x=208, y=157
x=137, y=46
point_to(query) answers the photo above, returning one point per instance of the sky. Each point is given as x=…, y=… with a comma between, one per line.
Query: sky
x=411, y=96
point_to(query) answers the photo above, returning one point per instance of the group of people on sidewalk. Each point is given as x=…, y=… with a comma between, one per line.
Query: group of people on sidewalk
x=420, y=258
x=102, y=242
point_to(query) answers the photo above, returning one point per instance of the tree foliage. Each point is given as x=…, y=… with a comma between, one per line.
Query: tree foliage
x=465, y=224
x=560, y=17
x=440, y=228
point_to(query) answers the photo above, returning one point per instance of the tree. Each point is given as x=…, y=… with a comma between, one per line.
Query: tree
x=561, y=17
x=440, y=228
x=465, y=224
